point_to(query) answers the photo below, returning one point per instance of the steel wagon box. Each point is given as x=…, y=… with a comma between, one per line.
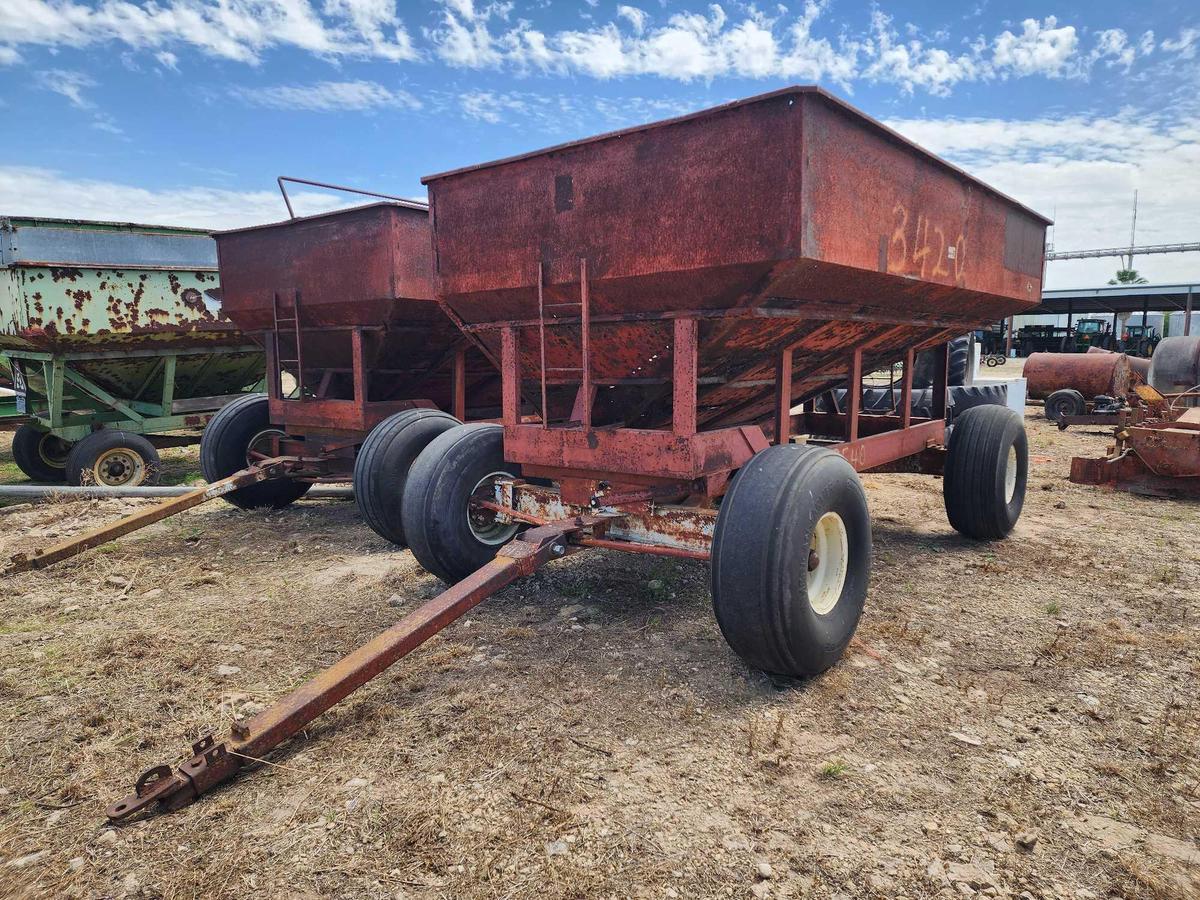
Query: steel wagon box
x=311, y=283
x=771, y=219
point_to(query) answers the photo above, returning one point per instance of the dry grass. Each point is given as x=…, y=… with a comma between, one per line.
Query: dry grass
x=587, y=733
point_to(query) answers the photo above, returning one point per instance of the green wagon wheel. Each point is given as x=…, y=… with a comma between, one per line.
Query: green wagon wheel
x=40, y=454
x=113, y=458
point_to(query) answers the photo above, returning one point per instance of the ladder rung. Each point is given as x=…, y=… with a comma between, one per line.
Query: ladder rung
x=561, y=369
x=294, y=362
x=549, y=305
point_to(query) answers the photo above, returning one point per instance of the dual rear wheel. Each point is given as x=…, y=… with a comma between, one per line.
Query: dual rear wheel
x=238, y=436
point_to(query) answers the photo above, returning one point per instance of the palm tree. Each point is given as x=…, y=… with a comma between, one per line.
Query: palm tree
x=1128, y=276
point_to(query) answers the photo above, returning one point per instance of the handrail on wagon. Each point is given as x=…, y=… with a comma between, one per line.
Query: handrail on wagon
x=414, y=204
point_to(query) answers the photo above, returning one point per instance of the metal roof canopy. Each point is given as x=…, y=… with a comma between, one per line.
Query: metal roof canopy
x=1120, y=298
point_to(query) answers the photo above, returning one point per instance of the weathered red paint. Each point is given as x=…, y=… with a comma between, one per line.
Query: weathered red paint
x=344, y=302
x=788, y=220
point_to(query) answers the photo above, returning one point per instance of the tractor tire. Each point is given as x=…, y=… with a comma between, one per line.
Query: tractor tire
x=783, y=610
x=1064, y=402
x=987, y=466
x=225, y=447
x=382, y=466
x=40, y=455
x=113, y=458
x=956, y=364
x=449, y=538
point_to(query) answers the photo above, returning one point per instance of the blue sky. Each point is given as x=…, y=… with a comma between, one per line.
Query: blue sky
x=183, y=111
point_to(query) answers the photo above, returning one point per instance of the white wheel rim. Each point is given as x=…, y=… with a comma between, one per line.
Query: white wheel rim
x=261, y=447
x=1010, y=475
x=119, y=467
x=829, y=556
x=481, y=520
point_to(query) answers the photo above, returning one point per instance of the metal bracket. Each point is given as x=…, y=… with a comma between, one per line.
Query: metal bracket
x=411, y=204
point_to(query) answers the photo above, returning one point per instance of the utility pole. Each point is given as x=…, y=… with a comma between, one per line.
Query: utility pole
x=1132, y=232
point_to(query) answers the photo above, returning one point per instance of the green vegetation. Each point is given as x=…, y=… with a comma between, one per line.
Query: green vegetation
x=835, y=768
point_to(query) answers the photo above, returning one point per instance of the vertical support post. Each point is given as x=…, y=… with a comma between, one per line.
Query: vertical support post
x=854, y=395
x=683, y=400
x=1187, y=313
x=910, y=360
x=358, y=364
x=1008, y=340
x=1116, y=337
x=54, y=390
x=460, y=384
x=299, y=348
x=783, y=397
x=541, y=341
x=510, y=377
x=941, y=372
x=585, y=328
x=1145, y=309
x=1070, y=318
x=271, y=343
x=168, y=383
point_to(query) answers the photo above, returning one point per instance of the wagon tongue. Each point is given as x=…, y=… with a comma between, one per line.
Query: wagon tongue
x=213, y=762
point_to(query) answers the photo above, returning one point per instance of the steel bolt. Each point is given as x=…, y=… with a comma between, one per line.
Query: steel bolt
x=813, y=560
x=558, y=549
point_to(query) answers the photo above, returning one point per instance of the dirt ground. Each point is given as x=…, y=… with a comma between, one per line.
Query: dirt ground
x=1017, y=719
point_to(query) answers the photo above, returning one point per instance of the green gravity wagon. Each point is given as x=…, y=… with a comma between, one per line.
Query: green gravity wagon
x=116, y=345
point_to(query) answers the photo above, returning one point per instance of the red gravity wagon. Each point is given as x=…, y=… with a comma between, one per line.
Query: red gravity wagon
x=665, y=304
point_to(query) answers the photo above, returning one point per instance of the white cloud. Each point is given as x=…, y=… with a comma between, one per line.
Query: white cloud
x=685, y=46
x=1185, y=45
x=488, y=106
x=464, y=38
x=912, y=64
x=706, y=45
x=69, y=84
x=1083, y=170
x=565, y=116
x=1112, y=45
x=635, y=16
x=43, y=192
x=1042, y=48
x=239, y=30
x=329, y=96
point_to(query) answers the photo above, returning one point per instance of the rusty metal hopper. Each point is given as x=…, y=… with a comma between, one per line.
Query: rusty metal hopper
x=785, y=219
x=368, y=269
x=117, y=298
x=89, y=286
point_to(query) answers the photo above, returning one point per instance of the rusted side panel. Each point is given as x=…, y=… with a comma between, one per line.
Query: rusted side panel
x=874, y=204
x=367, y=266
x=1139, y=366
x=72, y=285
x=59, y=309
